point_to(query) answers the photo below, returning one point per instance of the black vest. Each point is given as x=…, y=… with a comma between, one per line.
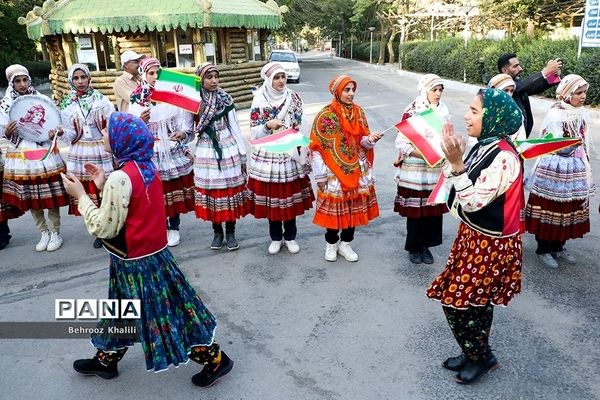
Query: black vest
x=491, y=219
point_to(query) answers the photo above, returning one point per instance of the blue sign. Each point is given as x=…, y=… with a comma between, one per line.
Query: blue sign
x=594, y=3
x=593, y=12
x=592, y=23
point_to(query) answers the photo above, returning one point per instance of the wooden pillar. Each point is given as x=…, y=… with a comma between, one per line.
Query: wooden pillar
x=198, y=45
x=226, y=48
x=68, y=45
x=117, y=52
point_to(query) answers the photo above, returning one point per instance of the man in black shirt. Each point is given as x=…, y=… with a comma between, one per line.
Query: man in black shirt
x=508, y=63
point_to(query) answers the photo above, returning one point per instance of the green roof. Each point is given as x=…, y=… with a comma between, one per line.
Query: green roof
x=108, y=16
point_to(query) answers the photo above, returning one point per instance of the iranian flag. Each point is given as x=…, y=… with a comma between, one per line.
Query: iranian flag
x=178, y=89
x=424, y=131
x=439, y=194
x=281, y=142
x=532, y=148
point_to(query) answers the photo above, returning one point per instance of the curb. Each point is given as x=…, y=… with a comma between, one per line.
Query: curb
x=541, y=104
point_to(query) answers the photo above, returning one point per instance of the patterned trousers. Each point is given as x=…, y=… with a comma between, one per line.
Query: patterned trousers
x=471, y=329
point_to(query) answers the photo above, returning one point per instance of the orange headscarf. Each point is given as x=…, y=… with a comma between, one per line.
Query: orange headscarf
x=338, y=139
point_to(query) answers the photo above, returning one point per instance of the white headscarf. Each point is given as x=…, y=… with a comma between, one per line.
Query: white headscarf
x=421, y=103
x=11, y=93
x=274, y=97
x=569, y=85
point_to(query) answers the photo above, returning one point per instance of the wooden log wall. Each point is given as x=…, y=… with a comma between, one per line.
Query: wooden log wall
x=236, y=79
x=238, y=46
x=141, y=44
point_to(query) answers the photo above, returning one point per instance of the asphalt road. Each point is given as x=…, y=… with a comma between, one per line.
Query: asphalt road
x=301, y=328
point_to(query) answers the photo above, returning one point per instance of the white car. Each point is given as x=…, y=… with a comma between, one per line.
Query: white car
x=289, y=62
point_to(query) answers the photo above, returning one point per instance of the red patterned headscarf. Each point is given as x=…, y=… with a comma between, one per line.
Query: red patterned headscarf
x=338, y=139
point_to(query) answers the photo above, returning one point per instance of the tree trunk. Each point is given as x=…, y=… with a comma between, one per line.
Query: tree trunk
x=390, y=45
x=383, y=32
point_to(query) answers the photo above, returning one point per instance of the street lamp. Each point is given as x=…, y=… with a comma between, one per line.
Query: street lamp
x=466, y=34
x=340, y=44
x=371, y=29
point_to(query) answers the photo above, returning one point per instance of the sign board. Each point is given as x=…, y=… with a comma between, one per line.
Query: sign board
x=590, y=30
x=85, y=42
x=209, y=49
x=35, y=116
x=185, y=49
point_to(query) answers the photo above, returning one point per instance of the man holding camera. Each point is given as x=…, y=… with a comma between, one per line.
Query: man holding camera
x=508, y=63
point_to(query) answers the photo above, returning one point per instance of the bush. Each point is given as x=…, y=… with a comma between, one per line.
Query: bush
x=450, y=59
x=38, y=70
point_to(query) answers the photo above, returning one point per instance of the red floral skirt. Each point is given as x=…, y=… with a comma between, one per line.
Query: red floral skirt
x=481, y=269
x=280, y=201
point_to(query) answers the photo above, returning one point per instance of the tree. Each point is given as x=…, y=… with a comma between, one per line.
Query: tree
x=15, y=46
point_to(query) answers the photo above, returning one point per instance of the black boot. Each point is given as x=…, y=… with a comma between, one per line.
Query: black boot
x=217, y=242
x=455, y=363
x=103, y=364
x=475, y=370
x=212, y=372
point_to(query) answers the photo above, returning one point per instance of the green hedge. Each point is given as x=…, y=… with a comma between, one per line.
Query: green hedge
x=449, y=58
x=38, y=70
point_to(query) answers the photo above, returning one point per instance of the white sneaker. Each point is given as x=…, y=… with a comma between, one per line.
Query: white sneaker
x=564, y=255
x=346, y=251
x=275, y=246
x=331, y=252
x=43, y=243
x=173, y=237
x=547, y=260
x=55, y=242
x=292, y=246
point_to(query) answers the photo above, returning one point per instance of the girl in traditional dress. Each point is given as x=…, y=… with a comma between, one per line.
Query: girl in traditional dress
x=416, y=180
x=486, y=194
x=174, y=324
x=84, y=111
x=220, y=161
x=172, y=157
x=561, y=183
x=342, y=162
x=30, y=184
x=278, y=184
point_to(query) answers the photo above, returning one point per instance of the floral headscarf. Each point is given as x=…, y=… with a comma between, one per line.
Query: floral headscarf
x=336, y=136
x=141, y=94
x=501, y=116
x=130, y=140
x=84, y=98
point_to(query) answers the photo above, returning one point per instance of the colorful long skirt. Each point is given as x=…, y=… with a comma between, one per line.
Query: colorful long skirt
x=413, y=204
x=176, y=170
x=88, y=151
x=221, y=193
x=33, y=185
x=481, y=270
x=278, y=186
x=340, y=210
x=173, y=317
x=558, y=205
x=7, y=211
x=416, y=180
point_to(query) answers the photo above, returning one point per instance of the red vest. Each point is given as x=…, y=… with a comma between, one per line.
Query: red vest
x=145, y=229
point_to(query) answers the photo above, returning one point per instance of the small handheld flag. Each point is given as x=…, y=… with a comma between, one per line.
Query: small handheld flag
x=424, y=131
x=281, y=142
x=178, y=89
x=532, y=148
